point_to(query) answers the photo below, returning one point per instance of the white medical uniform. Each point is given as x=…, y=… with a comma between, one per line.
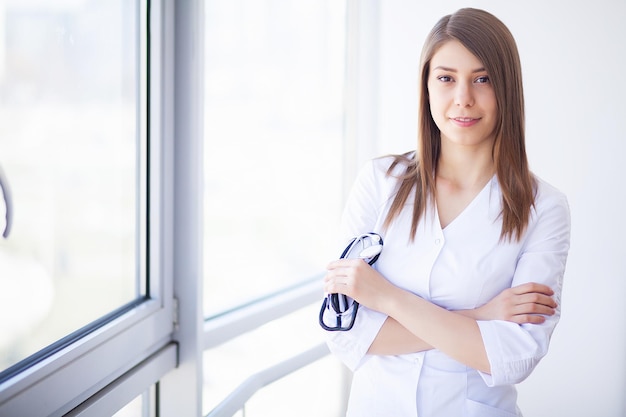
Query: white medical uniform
x=462, y=266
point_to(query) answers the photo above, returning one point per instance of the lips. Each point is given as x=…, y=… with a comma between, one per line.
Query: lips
x=465, y=121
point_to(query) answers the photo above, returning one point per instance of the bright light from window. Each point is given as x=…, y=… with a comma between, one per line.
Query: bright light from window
x=273, y=144
x=68, y=147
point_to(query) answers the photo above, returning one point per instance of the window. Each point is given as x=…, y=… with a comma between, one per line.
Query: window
x=107, y=196
x=273, y=164
x=86, y=274
x=309, y=391
x=274, y=77
x=69, y=147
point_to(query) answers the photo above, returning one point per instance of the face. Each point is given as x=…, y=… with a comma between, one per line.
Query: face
x=462, y=101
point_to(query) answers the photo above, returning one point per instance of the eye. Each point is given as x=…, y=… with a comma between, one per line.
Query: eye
x=444, y=78
x=482, y=79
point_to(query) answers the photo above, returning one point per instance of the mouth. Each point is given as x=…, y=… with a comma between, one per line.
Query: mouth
x=465, y=121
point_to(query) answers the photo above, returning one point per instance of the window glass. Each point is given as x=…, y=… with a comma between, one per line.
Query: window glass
x=141, y=406
x=273, y=144
x=70, y=154
x=315, y=390
x=318, y=389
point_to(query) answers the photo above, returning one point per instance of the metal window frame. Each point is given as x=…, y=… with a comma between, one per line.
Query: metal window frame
x=180, y=390
x=162, y=339
x=118, y=360
x=221, y=329
x=237, y=399
x=225, y=327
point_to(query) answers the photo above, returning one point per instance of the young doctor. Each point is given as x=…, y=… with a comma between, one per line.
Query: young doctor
x=464, y=298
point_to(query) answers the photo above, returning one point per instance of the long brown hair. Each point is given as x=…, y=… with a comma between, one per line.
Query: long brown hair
x=485, y=36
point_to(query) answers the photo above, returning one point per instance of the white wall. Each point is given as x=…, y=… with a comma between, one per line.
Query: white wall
x=574, y=64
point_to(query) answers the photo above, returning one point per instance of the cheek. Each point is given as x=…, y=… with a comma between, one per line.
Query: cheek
x=437, y=110
x=435, y=103
x=490, y=103
x=439, y=98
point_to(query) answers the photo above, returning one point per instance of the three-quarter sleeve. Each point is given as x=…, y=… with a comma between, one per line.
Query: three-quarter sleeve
x=351, y=347
x=361, y=215
x=514, y=350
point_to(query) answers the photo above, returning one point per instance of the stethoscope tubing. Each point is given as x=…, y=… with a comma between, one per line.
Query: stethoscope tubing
x=335, y=300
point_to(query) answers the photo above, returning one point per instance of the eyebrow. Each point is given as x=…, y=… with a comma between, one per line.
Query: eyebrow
x=441, y=67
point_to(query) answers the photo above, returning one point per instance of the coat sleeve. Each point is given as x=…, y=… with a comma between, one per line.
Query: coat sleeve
x=360, y=215
x=514, y=350
x=351, y=347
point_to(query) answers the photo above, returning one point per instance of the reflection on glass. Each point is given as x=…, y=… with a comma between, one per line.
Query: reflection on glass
x=273, y=144
x=69, y=150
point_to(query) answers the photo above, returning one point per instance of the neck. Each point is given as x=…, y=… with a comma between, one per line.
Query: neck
x=466, y=168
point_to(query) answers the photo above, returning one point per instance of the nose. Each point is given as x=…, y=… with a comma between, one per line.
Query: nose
x=463, y=95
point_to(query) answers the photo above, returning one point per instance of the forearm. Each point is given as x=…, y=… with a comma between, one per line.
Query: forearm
x=526, y=303
x=395, y=339
x=456, y=335
x=432, y=326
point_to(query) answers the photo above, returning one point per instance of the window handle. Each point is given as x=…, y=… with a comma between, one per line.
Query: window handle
x=6, y=193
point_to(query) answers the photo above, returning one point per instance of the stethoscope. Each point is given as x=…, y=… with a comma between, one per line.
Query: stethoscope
x=344, y=307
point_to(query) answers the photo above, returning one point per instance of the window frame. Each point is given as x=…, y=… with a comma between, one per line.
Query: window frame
x=360, y=145
x=88, y=370
x=161, y=340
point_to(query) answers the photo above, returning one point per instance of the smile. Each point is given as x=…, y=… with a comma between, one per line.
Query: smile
x=464, y=121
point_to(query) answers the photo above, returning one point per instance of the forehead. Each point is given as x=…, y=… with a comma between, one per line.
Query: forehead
x=453, y=55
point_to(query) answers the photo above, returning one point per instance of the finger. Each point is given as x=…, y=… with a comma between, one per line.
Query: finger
x=332, y=275
x=530, y=287
x=528, y=319
x=334, y=264
x=339, y=271
x=533, y=308
x=335, y=286
x=536, y=298
x=343, y=263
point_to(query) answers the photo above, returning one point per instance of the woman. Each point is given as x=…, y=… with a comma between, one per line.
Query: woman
x=463, y=300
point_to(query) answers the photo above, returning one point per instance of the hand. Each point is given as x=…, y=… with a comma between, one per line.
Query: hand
x=358, y=280
x=525, y=303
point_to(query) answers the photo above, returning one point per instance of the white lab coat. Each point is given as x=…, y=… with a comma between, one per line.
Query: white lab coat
x=460, y=267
